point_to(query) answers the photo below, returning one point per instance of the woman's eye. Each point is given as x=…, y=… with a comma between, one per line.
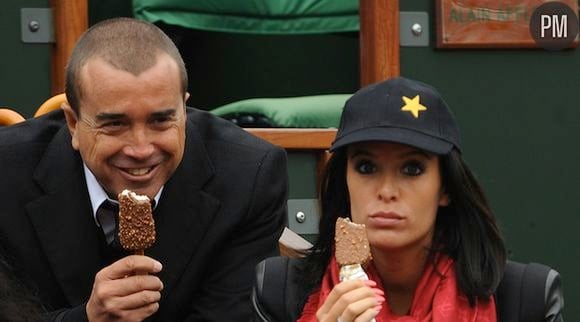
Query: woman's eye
x=413, y=168
x=365, y=167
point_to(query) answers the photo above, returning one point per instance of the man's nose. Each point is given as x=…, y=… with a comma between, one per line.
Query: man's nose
x=139, y=145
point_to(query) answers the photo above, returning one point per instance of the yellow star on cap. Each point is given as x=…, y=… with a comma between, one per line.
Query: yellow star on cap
x=413, y=106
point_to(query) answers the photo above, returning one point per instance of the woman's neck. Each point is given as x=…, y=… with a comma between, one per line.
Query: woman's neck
x=400, y=272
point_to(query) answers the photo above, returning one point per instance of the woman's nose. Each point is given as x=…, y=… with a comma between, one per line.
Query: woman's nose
x=388, y=189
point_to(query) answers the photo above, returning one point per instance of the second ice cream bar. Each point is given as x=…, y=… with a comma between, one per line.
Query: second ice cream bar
x=352, y=249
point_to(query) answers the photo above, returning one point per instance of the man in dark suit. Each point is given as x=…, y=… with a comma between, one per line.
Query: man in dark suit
x=219, y=193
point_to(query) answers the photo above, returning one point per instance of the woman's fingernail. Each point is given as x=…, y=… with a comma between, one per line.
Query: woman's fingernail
x=378, y=291
x=370, y=283
x=380, y=299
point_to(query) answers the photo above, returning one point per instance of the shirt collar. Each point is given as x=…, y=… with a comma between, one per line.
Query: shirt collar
x=97, y=194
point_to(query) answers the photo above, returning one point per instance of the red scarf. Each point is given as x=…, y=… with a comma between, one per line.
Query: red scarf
x=436, y=299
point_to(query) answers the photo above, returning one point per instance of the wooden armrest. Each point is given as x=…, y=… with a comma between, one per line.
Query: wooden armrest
x=297, y=139
x=9, y=117
x=50, y=105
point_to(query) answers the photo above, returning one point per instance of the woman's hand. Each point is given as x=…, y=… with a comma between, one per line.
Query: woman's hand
x=355, y=300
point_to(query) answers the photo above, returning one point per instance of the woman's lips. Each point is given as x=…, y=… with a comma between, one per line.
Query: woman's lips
x=385, y=219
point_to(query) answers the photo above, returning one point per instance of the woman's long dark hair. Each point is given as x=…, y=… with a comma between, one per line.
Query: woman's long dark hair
x=466, y=229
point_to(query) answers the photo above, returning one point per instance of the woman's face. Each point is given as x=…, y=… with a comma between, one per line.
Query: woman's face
x=395, y=191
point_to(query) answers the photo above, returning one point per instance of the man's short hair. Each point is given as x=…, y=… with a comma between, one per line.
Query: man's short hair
x=127, y=44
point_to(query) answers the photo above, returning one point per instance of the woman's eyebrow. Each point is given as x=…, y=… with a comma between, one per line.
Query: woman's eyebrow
x=417, y=153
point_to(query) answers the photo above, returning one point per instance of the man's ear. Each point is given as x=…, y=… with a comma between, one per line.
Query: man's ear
x=444, y=199
x=72, y=122
x=186, y=98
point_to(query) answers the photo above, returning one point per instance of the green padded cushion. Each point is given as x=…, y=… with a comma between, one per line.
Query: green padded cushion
x=320, y=111
x=253, y=16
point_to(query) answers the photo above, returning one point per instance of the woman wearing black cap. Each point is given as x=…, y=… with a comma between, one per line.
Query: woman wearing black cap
x=437, y=250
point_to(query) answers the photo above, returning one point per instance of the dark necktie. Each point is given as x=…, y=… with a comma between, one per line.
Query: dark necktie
x=107, y=216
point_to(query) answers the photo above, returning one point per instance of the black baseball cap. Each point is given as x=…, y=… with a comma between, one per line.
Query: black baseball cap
x=399, y=110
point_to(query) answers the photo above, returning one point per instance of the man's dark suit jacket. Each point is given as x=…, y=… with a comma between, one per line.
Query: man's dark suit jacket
x=220, y=214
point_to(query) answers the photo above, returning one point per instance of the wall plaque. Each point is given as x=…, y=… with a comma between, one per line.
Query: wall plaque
x=489, y=23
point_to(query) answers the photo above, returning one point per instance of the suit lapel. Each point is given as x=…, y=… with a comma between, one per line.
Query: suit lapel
x=185, y=211
x=62, y=219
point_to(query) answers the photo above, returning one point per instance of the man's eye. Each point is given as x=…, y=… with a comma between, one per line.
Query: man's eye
x=413, y=168
x=365, y=167
x=163, y=120
x=113, y=124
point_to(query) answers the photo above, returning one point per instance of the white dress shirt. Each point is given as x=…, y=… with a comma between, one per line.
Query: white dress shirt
x=97, y=194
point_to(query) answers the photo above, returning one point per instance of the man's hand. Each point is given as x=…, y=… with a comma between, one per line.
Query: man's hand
x=120, y=295
x=353, y=300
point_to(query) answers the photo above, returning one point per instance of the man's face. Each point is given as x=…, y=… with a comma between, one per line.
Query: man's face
x=130, y=130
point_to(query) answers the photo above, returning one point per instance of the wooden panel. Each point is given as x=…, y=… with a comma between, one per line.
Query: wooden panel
x=379, y=40
x=299, y=139
x=70, y=21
